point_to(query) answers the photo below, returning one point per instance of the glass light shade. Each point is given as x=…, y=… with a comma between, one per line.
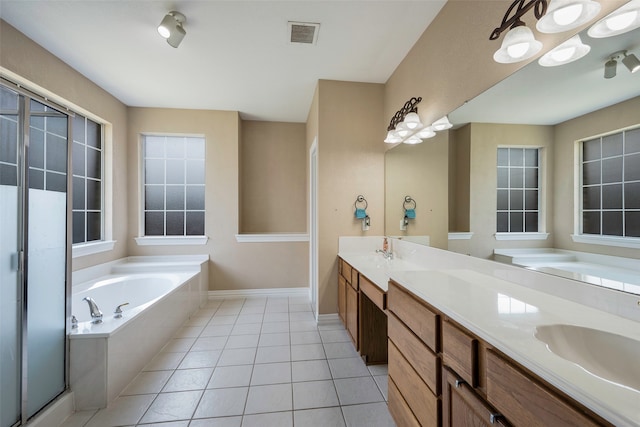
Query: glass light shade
x=425, y=133
x=168, y=23
x=392, y=138
x=631, y=62
x=565, y=15
x=413, y=140
x=402, y=130
x=441, y=124
x=622, y=20
x=519, y=44
x=412, y=121
x=569, y=51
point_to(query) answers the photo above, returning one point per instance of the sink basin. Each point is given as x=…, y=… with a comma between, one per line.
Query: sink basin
x=606, y=355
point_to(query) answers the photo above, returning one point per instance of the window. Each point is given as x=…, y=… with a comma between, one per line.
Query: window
x=173, y=185
x=610, y=171
x=518, y=206
x=88, y=189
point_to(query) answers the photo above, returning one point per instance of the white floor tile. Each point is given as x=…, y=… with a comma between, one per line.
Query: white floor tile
x=271, y=373
x=336, y=335
x=311, y=337
x=281, y=353
x=246, y=329
x=188, y=379
x=178, y=345
x=310, y=370
x=252, y=309
x=231, y=376
x=183, y=423
x=147, y=383
x=217, y=422
x=301, y=316
x=209, y=343
x=269, y=398
x=353, y=391
x=189, y=332
x=275, y=327
x=124, y=410
x=270, y=340
x=227, y=311
x=371, y=415
x=303, y=326
x=249, y=318
x=383, y=385
x=322, y=417
x=347, y=368
x=338, y=350
x=279, y=316
x=314, y=394
x=78, y=419
x=379, y=369
x=307, y=352
x=274, y=419
x=242, y=341
x=198, y=320
x=277, y=308
x=165, y=361
x=237, y=356
x=222, y=320
x=216, y=330
x=200, y=359
x=294, y=308
x=222, y=402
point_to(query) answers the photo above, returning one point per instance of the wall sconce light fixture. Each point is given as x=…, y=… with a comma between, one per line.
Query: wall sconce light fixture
x=621, y=20
x=569, y=51
x=171, y=28
x=405, y=125
x=611, y=66
x=553, y=16
x=361, y=212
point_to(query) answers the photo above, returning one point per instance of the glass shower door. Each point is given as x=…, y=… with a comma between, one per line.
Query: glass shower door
x=46, y=255
x=10, y=299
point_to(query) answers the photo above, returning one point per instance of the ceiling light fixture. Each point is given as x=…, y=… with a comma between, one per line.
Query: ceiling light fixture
x=565, y=15
x=610, y=68
x=622, y=20
x=405, y=125
x=569, y=51
x=171, y=28
x=629, y=60
x=519, y=43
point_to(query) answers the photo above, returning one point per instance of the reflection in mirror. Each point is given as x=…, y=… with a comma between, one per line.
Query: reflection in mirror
x=552, y=109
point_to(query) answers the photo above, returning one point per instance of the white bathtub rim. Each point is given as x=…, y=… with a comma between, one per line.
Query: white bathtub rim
x=111, y=325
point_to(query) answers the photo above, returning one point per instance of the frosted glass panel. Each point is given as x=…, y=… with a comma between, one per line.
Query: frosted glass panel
x=46, y=297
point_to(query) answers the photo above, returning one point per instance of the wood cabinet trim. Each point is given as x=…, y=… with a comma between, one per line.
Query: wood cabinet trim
x=419, y=317
x=375, y=294
x=460, y=352
x=399, y=409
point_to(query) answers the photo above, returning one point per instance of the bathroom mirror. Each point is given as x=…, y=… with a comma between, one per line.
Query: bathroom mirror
x=569, y=103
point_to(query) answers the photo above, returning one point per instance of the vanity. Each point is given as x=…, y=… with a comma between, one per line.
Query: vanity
x=474, y=342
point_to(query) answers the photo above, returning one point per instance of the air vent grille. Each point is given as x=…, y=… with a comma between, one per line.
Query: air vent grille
x=303, y=32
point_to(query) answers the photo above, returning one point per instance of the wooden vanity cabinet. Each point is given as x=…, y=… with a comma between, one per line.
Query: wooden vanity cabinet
x=441, y=374
x=348, y=298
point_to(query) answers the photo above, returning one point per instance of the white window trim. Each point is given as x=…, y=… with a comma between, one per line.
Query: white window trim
x=521, y=236
x=171, y=240
x=91, y=248
x=621, y=242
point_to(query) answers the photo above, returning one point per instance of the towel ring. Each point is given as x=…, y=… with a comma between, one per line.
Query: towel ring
x=409, y=203
x=360, y=200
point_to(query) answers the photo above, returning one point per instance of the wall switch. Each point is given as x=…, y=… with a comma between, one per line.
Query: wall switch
x=403, y=225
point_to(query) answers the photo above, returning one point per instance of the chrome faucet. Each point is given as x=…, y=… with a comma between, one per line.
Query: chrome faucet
x=96, y=314
x=385, y=253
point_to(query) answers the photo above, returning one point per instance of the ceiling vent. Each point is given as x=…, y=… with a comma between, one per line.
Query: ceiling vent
x=303, y=32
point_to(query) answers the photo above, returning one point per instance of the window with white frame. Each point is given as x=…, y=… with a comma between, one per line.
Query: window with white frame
x=173, y=185
x=88, y=188
x=610, y=185
x=518, y=190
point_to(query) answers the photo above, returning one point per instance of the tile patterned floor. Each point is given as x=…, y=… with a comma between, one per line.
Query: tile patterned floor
x=252, y=362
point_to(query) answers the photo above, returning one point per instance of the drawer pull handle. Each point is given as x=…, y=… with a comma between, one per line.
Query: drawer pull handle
x=493, y=418
x=459, y=383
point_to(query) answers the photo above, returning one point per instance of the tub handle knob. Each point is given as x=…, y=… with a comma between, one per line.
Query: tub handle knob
x=118, y=310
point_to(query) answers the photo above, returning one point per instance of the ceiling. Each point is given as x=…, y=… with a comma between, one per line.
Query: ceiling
x=236, y=54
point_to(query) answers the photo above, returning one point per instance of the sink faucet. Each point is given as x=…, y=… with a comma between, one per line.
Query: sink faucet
x=96, y=314
x=385, y=251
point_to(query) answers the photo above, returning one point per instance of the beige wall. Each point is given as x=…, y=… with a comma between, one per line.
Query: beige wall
x=233, y=265
x=351, y=162
x=485, y=139
x=405, y=175
x=273, y=177
x=23, y=60
x=459, y=179
x=607, y=120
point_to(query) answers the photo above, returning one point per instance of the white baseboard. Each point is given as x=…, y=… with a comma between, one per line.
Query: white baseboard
x=56, y=413
x=274, y=292
x=324, y=319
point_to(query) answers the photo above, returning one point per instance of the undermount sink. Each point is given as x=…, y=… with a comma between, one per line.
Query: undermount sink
x=606, y=355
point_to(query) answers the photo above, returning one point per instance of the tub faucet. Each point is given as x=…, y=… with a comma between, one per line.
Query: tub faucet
x=96, y=314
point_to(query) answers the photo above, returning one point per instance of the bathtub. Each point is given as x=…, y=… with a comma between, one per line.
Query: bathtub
x=106, y=356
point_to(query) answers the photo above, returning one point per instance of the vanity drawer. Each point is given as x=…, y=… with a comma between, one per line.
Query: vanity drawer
x=417, y=395
x=460, y=352
x=375, y=294
x=417, y=316
x=525, y=401
x=354, y=278
x=345, y=270
x=421, y=359
x=399, y=409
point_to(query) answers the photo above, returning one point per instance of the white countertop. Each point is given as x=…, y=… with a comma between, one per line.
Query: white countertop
x=377, y=268
x=506, y=314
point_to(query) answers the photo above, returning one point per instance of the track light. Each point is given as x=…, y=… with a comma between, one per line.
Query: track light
x=629, y=60
x=610, y=68
x=171, y=28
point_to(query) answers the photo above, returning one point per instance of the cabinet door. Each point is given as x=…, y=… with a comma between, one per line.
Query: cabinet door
x=342, y=299
x=352, y=314
x=461, y=407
